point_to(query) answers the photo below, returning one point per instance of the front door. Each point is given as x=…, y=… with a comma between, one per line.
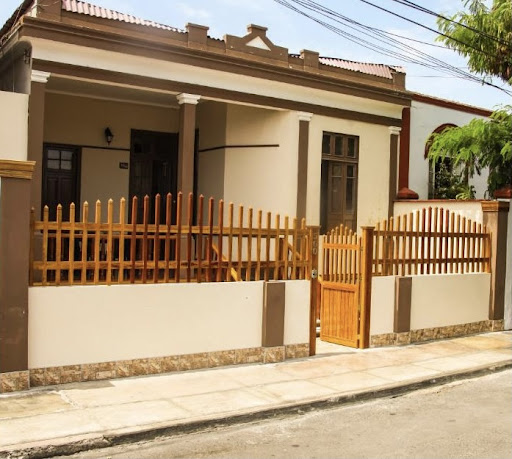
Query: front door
x=61, y=179
x=339, y=181
x=153, y=168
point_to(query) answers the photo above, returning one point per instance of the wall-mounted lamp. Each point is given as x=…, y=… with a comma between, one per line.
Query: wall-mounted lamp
x=108, y=135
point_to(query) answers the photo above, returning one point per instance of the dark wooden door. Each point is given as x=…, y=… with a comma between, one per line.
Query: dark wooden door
x=338, y=195
x=61, y=179
x=153, y=168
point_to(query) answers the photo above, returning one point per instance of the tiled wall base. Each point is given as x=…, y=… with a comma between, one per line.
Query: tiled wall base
x=14, y=381
x=10, y=382
x=427, y=334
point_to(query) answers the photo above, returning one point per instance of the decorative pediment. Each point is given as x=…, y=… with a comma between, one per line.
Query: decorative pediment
x=256, y=43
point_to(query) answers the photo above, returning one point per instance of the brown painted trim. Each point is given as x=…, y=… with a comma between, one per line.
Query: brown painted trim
x=94, y=147
x=495, y=218
x=405, y=140
x=273, y=314
x=220, y=147
x=403, y=294
x=14, y=266
x=238, y=64
x=393, y=165
x=495, y=206
x=302, y=169
x=450, y=104
x=17, y=169
x=208, y=92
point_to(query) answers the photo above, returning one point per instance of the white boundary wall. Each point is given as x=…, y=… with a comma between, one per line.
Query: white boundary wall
x=93, y=324
x=437, y=300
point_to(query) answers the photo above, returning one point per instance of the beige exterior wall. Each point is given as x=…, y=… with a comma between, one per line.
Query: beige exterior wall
x=13, y=126
x=444, y=299
x=93, y=324
x=383, y=305
x=468, y=209
x=262, y=178
x=103, y=179
x=82, y=121
x=73, y=325
x=373, y=187
x=211, y=122
x=296, y=319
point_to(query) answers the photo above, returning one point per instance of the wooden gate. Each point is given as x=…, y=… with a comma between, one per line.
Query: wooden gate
x=346, y=287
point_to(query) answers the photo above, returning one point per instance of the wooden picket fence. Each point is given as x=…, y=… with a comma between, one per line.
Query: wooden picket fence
x=430, y=241
x=176, y=248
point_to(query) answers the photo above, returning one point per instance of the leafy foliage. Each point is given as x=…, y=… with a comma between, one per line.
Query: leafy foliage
x=489, y=50
x=450, y=184
x=481, y=143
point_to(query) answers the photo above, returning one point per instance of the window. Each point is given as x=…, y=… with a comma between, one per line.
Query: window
x=340, y=155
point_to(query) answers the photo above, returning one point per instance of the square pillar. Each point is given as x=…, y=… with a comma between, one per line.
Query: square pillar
x=394, y=137
x=36, y=103
x=186, y=142
x=495, y=217
x=302, y=164
x=15, y=178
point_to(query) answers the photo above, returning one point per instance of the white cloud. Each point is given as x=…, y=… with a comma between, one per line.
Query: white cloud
x=193, y=13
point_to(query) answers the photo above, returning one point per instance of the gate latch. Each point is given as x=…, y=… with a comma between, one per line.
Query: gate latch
x=314, y=274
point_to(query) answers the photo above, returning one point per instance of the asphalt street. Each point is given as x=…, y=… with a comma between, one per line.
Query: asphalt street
x=466, y=419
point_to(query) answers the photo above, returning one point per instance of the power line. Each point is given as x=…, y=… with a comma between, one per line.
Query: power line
x=433, y=13
x=426, y=27
x=412, y=55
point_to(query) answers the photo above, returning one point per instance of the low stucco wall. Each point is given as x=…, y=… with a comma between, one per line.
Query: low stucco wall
x=13, y=126
x=437, y=300
x=449, y=299
x=296, y=319
x=93, y=324
x=383, y=305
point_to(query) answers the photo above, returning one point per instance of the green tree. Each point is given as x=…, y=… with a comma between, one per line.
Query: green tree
x=483, y=35
x=480, y=143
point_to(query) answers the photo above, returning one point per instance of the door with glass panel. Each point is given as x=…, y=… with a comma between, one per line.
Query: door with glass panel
x=340, y=155
x=61, y=179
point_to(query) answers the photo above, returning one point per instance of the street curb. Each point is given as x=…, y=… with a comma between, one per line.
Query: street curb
x=109, y=440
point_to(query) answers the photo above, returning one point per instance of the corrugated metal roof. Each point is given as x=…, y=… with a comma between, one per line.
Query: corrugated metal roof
x=77, y=6
x=380, y=70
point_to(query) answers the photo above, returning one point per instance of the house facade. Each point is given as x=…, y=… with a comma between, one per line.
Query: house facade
x=239, y=119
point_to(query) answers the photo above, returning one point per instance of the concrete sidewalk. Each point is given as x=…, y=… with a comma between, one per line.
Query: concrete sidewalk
x=73, y=417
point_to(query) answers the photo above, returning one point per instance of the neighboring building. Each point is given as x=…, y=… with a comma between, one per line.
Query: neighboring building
x=427, y=115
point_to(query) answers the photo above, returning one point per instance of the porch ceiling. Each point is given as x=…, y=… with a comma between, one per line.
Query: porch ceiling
x=84, y=88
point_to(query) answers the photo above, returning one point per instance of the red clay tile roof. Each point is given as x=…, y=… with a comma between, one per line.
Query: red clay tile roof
x=78, y=6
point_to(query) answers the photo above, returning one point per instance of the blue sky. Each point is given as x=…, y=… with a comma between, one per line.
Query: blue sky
x=288, y=29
